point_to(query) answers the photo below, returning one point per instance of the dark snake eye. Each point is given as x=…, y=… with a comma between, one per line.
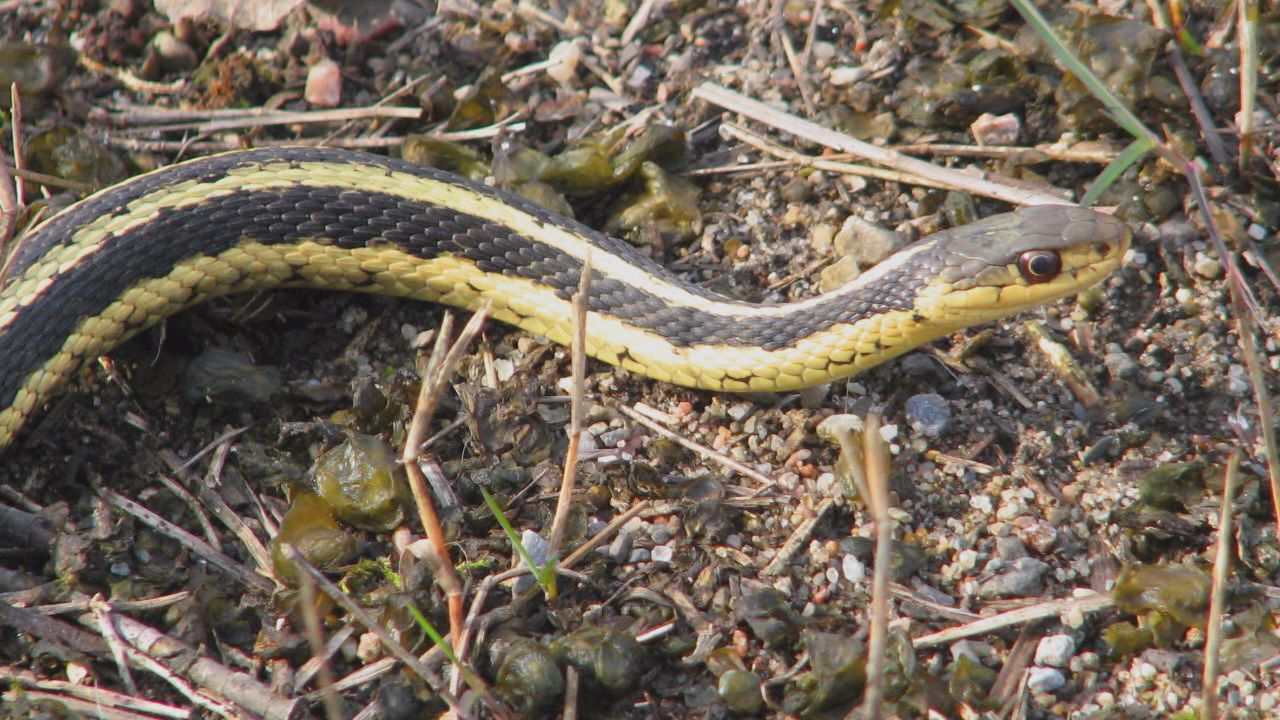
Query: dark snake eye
x=1039, y=266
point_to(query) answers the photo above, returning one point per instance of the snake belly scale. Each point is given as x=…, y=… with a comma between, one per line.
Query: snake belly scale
x=127, y=257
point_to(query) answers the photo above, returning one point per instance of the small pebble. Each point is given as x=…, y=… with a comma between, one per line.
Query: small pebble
x=1055, y=650
x=620, y=548
x=660, y=534
x=928, y=414
x=1010, y=548
x=982, y=503
x=174, y=54
x=1120, y=365
x=1042, y=679
x=854, y=570
x=1023, y=577
x=662, y=553
x=1237, y=380
x=615, y=437
x=839, y=273
x=964, y=648
x=1206, y=266
x=563, y=61
x=846, y=75
x=991, y=129
x=888, y=433
x=740, y=410
x=324, y=84
x=638, y=555
x=867, y=243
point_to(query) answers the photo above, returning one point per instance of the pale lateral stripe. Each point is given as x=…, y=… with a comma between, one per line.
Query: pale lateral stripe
x=357, y=177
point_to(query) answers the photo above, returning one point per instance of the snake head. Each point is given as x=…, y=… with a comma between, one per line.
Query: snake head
x=1009, y=262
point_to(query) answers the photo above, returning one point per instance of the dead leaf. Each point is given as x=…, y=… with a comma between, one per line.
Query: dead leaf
x=247, y=14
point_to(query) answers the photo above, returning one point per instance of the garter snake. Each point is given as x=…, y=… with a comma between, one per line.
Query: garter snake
x=128, y=256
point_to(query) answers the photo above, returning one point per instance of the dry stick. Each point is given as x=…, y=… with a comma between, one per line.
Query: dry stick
x=1039, y=611
x=180, y=665
x=206, y=551
x=759, y=142
x=875, y=455
x=15, y=117
x=778, y=28
x=164, y=119
x=511, y=123
x=102, y=613
x=639, y=20
x=9, y=212
x=1218, y=598
x=55, y=181
x=1011, y=152
x=702, y=450
x=570, y=693
x=1245, y=309
x=1246, y=33
x=578, y=350
x=98, y=697
x=278, y=117
x=435, y=373
x=1217, y=150
x=736, y=102
x=389, y=641
x=315, y=637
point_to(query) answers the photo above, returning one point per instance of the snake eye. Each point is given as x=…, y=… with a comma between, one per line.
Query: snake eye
x=1039, y=266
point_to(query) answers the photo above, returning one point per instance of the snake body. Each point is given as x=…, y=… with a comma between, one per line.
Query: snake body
x=127, y=257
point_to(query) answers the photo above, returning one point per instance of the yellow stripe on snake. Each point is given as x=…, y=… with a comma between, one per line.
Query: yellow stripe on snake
x=133, y=254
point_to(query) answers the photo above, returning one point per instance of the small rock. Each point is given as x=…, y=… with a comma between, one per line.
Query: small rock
x=662, y=553
x=854, y=570
x=847, y=75
x=1021, y=578
x=964, y=648
x=660, y=534
x=1042, y=679
x=1010, y=548
x=620, y=548
x=562, y=61
x=740, y=410
x=639, y=555
x=867, y=243
x=991, y=129
x=615, y=437
x=928, y=414
x=324, y=84
x=982, y=503
x=1206, y=266
x=1055, y=650
x=1237, y=380
x=839, y=273
x=173, y=54
x=1120, y=365
x=822, y=237
x=966, y=560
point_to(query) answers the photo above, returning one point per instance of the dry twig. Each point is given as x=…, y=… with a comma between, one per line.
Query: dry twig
x=1218, y=597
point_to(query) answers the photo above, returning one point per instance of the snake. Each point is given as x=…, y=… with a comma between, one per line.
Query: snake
x=131, y=255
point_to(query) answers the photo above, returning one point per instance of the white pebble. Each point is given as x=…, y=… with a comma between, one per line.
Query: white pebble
x=854, y=570
x=981, y=503
x=1055, y=650
x=1043, y=679
x=662, y=553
